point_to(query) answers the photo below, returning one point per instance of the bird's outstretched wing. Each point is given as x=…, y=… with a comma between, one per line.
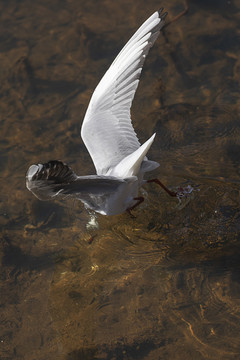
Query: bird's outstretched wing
x=107, y=129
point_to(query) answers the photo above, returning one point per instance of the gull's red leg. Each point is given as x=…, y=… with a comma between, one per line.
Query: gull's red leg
x=139, y=199
x=186, y=9
x=171, y=193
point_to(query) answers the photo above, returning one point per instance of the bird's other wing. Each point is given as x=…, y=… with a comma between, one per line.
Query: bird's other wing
x=57, y=179
x=107, y=129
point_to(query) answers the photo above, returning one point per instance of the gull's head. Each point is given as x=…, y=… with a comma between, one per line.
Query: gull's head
x=35, y=181
x=33, y=171
x=47, y=180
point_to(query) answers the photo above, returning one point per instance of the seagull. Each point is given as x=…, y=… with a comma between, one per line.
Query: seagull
x=119, y=158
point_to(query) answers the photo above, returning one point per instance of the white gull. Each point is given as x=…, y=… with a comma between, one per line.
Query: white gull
x=107, y=131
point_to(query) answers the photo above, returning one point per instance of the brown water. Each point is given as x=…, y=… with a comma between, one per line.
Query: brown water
x=165, y=285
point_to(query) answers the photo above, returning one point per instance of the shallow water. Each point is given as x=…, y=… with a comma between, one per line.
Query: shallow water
x=164, y=285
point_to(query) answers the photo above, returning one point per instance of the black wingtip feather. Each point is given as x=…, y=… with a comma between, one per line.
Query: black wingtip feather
x=162, y=16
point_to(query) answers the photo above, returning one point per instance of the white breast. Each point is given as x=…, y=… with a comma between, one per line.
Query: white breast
x=118, y=202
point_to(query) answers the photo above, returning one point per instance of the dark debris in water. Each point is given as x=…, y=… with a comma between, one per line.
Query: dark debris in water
x=14, y=257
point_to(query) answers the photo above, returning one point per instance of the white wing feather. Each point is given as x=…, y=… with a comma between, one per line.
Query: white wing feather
x=107, y=129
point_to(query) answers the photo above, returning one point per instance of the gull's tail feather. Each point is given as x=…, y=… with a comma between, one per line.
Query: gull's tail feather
x=131, y=164
x=148, y=165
